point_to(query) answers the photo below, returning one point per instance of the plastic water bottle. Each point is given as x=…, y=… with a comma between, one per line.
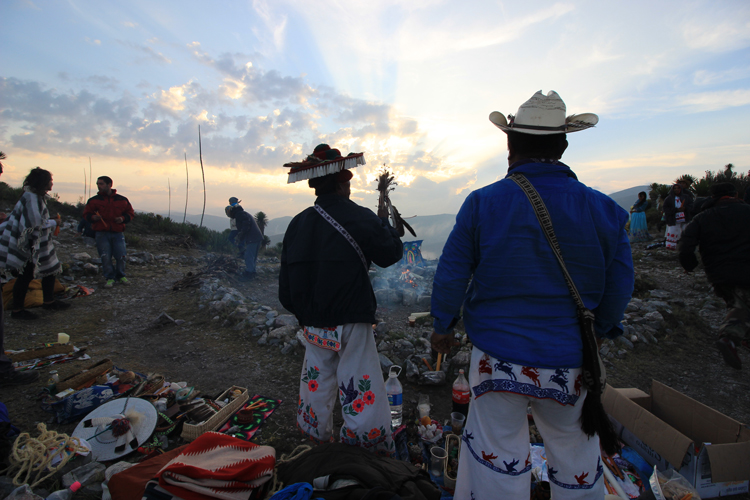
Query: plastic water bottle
x=65, y=494
x=461, y=394
x=395, y=396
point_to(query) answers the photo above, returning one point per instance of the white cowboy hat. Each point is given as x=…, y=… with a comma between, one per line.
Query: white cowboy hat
x=543, y=115
x=138, y=421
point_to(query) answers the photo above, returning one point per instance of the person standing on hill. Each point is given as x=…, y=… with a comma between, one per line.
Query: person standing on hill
x=108, y=212
x=500, y=270
x=324, y=281
x=722, y=232
x=677, y=210
x=248, y=236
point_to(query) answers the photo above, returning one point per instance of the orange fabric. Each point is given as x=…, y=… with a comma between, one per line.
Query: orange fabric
x=33, y=295
x=130, y=484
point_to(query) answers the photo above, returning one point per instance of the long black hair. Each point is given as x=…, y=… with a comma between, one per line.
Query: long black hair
x=38, y=180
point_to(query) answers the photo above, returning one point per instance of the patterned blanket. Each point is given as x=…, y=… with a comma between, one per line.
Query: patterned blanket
x=26, y=237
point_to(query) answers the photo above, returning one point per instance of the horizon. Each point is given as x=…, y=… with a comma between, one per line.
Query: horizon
x=409, y=83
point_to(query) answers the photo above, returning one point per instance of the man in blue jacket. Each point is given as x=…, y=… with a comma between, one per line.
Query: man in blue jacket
x=519, y=314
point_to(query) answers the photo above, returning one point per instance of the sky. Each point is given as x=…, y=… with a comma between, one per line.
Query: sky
x=123, y=87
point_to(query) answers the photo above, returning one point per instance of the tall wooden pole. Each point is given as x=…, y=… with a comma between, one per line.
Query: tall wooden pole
x=200, y=155
x=187, y=189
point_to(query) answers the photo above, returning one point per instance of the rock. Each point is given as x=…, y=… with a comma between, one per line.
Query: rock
x=604, y=349
x=409, y=297
x=286, y=349
x=412, y=371
x=424, y=301
x=263, y=340
x=422, y=346
x=660, y=294
x=462, y=359
x=85, y=257
x=238, y=314
x=624, y=342
x=256, y=332
x=164, y=319
x=383, y=346
x=432, y=378
x=90, y=269
x=386, y=297
x=381, y=328
x=179, y=322
x=403, y=349
x=216, y=306
x=271, y=314
x=275, y=341
x=385, y=363
x=285, y=320
x=379, y=284
x=654, y=319
x=285, y=332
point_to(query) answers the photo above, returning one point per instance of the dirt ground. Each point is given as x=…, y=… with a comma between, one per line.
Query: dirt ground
x=119, y=324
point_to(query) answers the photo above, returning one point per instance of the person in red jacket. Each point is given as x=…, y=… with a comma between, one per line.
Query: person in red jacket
x=108, y=212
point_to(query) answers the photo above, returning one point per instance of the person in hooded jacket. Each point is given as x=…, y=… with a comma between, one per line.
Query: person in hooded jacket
x=722, y=232
x=249, y=235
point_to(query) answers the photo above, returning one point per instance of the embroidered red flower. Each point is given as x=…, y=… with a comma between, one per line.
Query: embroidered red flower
x=369, y=397
x=316, y=368
x=366, y=377
x=312, y=413
x=358, y=405
x=312, y=385
x=350, y=434
x=373, y=434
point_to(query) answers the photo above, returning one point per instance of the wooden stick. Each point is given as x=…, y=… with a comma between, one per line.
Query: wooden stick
x=440, y=358
x=427, y=363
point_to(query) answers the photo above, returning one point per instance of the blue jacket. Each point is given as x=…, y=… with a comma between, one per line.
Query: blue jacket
x=517, y=307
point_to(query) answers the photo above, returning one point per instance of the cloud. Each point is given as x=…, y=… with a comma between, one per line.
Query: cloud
x=704, y=77
x=93, y=42
x=714, y=101
x=129, y=24
x=149, y=52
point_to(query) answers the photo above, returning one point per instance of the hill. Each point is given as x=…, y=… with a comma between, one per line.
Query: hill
x=626, y=197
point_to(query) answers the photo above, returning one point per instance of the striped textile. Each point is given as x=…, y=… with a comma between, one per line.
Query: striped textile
x=25, y=238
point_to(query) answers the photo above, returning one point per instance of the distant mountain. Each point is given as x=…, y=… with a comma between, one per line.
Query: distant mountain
x=627, y=197
x=433, y=230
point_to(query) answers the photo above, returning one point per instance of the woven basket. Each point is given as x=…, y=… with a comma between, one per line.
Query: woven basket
x=451, y=442
x=191, y=432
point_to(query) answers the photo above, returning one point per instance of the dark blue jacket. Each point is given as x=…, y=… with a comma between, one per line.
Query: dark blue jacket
x=517, y=307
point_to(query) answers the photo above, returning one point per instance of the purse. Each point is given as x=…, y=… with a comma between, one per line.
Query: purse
x=594, y=419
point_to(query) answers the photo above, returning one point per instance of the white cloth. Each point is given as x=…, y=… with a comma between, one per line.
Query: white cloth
x=495, y=455
x=673, y=235
x=343, y=360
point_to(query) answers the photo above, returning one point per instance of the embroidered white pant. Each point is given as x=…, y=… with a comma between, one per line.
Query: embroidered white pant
x=344, y=360
x=495, y=460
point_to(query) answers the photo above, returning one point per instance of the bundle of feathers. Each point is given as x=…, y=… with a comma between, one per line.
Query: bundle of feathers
x=385, y=186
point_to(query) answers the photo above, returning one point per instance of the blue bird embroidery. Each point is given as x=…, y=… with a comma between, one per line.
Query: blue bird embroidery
x=349, y=392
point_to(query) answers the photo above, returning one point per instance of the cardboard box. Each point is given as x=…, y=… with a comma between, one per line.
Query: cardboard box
x=669, y=429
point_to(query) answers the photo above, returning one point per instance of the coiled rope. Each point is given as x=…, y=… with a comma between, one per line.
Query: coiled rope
x=34, y=455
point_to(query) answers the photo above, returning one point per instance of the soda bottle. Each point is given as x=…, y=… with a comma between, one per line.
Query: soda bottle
x=461, y=394
x=65, y=494
x=395, y=396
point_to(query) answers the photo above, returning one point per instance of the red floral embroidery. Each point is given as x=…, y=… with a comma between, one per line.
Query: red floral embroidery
x=350, y=434
x=365, y=377
x=369, y=397
x=312, y=385
x=358, y=405
x=373, y=434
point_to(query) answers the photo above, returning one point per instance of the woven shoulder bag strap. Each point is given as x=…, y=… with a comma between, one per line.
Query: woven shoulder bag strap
x=345, y=234
x=545, y=221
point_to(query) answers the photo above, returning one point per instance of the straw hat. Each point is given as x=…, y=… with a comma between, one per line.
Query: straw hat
x=543, y=115
x=118, y=427
x=323, y=161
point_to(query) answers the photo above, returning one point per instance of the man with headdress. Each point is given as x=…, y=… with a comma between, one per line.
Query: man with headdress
x=324, y=281
x=722, y=232
x=529, y=348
